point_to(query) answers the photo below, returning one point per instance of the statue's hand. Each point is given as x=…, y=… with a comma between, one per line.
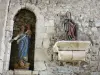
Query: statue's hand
x=18, y=41
x=11, y=40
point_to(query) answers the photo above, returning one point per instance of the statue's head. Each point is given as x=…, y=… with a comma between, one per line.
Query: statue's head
x=28, y=27
x=22, y=28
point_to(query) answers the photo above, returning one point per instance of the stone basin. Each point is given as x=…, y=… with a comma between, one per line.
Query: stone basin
x=71, y=50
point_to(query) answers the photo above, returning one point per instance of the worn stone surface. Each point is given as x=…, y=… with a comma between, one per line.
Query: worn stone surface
x=35, y=73
x=10, y=72
x=22, y=72
x=1, y=64
x=39, y=65
x=48, y=13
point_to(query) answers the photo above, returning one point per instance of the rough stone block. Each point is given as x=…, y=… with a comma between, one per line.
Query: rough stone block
x=8, y=36
x=2, y=14
x=39, y=16
x=39, y=65
x=10, y=16
x=2, y=54
x=75, y=69
x=49, y=23
x=50, y=29
x=35, y=73
x=41, y=29
x=94, y=51
x=43, y=73
x=6, y=65
x=1, y=66
x=38, y=42
x=10, y=23
x=45, y=35
x=94, y=58
x=94, y=66
x=31, y=7
x=13, y=8
x=94, y=29
x=97, y=23
x=10, y=72
x=14, y=1
x=22, y=72
x=41, y=34
x=46, y=1
x=3, y=5
x=85, y=73
x=40, y=55
x=94, y=73
x=64, y=70
x=99, y=68
x=46, y=43
x=4, y=1
x=1, y=22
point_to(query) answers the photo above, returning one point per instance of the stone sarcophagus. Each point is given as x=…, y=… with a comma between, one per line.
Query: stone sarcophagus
x=70, y=51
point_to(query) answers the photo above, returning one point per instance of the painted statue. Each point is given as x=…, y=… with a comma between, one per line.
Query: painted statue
x=23, y=40
x=70, y=29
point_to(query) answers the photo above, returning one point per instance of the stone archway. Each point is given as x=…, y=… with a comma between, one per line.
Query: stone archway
x=9, y=29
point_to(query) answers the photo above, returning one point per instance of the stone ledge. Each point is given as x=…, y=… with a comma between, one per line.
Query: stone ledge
x=22, y=72
x=35, y=73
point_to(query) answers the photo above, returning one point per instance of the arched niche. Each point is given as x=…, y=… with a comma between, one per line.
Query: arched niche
x=23, y=17
x=9, y=30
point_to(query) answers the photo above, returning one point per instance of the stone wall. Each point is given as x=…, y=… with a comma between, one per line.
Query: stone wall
x=84, y=12
x=3, y=21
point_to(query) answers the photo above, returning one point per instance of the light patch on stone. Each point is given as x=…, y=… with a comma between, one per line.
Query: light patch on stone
x=94, y=29
x=40, y=65
x=40, y=55
x=35, y=73
x=94, y=73
x=22, y=72
x=97, y=23
x=1, y=66
x=49, y=23
x=50, y=29
x=89, y=32
x=46, y=43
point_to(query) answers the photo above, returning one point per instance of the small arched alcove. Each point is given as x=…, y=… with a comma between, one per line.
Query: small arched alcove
x=23, y=17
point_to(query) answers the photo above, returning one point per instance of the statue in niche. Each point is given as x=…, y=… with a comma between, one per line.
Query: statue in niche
x=69, y=27
x=23, y=40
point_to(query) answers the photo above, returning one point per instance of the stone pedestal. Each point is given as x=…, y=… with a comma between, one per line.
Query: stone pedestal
x=22, y=72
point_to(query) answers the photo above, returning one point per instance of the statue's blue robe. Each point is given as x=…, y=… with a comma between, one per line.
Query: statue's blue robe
x=23, y=46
